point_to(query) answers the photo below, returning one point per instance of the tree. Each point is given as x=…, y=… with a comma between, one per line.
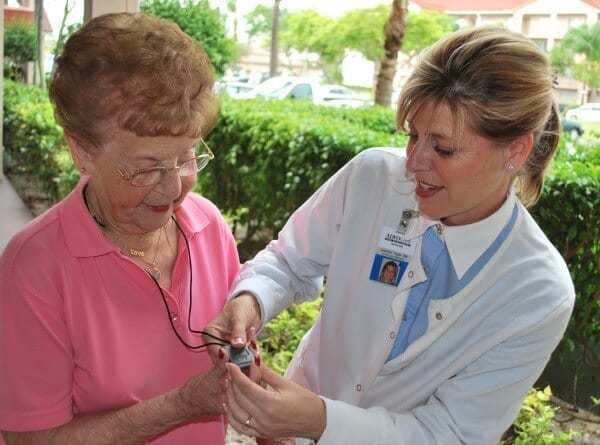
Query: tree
x=20, y=43
x=65, y=30
x=578, y=54
x=39, y=19
x=232, y=8
x=361, y=30
x=200, y=21
x=394, y=33
x=309, y=31
x=424, y=28
x=274, y=59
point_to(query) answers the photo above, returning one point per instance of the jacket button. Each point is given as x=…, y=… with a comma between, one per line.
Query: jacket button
x=359, y=387
x=439, y=315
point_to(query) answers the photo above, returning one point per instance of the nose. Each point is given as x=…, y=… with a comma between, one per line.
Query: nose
x=170, y=184
x=418, y=156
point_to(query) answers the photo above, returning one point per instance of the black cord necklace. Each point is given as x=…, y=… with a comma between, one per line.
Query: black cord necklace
x=220, y=341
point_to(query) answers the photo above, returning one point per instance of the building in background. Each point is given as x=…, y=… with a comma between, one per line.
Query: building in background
x=544, y=21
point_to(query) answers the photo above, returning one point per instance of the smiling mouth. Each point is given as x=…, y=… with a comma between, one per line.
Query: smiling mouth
x=426, y=190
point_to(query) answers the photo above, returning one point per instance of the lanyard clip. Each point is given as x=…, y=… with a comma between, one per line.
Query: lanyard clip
x=407, y=215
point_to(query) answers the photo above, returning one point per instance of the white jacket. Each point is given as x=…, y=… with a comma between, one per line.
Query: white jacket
x=463, y=381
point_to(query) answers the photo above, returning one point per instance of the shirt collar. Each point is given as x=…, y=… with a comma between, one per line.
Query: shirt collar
x=85, y=239
x=466, y=243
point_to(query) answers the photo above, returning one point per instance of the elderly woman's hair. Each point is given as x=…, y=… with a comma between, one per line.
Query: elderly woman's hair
x=136, y=72
x=499, y=84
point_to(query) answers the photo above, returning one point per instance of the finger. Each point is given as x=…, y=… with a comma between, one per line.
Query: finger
x=235, y=411
x=241, y=427
x=273, y=379
x=249, y=396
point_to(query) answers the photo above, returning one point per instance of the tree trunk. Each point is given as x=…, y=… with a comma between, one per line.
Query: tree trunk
x=394, y=33
x=274, y=65
x=39, y=23
x=61, y=33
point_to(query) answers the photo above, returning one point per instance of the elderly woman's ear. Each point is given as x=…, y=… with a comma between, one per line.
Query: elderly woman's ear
x=80, y=152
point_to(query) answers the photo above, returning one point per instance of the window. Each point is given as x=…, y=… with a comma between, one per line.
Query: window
x=541, y=43
x=568, y=21
x=537, y=25
x=301, y=91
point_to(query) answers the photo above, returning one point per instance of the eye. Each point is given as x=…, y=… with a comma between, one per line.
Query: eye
x=444, y=152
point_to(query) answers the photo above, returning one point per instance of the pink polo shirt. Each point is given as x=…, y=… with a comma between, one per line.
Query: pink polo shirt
x=84, y=329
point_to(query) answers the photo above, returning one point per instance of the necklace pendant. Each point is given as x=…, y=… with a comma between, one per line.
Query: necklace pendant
x=154, y=272
x=137, y=253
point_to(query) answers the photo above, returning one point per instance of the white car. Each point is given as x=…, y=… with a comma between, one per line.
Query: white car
x=300, y=88
x=589, y=112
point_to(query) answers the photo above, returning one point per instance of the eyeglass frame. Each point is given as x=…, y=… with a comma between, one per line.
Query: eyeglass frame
x=129, y=177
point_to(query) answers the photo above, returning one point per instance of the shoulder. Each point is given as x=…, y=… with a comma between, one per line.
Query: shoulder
x=390, y=157
x=536, y=266
x=40, y=236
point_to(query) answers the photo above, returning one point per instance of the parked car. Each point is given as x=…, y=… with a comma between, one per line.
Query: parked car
x=234, y=89
x=572, y=128
x=589, y=112
x=300, y=88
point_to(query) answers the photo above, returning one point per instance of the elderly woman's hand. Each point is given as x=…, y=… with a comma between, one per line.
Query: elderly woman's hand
x=286, y=409
x=204, y=394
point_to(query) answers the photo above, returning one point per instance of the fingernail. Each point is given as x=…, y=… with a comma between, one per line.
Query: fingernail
x=253, y=344
x=257, y=360
x=221, y=354
x=238, y=340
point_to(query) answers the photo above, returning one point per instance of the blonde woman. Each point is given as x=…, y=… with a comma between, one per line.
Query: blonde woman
x=446, y=355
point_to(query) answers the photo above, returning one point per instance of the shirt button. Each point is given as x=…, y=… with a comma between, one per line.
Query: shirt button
x=410, y=274
x=392, y=335
x=174, y=317
x=359, y=387
x=439, y=315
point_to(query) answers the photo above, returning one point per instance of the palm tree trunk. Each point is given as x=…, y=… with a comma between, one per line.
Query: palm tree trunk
x=39, y=23
x=394, y=33
x=274, y=65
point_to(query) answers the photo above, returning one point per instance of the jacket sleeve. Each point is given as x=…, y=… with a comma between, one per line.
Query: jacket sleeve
x=291, y=268
x=474, y=407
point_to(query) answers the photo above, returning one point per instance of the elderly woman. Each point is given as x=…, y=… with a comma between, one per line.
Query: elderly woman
x=445, y=355
x=102, y=297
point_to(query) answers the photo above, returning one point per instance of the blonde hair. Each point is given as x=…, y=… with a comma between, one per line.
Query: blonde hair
x=136, y=71
x=499, y=84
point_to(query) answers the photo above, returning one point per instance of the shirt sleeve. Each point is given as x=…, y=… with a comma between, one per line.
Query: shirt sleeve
x=291, y=268
x=474, y=407
x=36, y=360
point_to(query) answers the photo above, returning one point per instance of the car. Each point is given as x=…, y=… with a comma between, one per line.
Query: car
x=572, y=128
x=234, y=89
x=308, y=89
x=589, y=112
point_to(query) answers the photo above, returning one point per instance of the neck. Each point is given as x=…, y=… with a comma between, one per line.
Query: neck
x=132, y=243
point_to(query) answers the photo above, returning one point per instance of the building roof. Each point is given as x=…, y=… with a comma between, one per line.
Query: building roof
x=482, y=5
x=23, y=14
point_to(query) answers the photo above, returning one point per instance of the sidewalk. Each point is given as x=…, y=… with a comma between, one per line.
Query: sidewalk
x=13, y=213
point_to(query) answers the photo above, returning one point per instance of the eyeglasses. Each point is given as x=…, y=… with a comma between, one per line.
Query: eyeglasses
x=152, y=176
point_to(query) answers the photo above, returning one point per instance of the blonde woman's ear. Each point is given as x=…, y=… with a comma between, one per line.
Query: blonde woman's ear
x=518, y=152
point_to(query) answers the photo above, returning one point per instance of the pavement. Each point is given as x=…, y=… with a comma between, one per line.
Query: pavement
x=13, y=213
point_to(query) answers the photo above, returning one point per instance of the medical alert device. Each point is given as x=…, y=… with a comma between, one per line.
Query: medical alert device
x=242, y=357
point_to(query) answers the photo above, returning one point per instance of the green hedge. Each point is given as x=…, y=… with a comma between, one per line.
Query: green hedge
x=271, y=155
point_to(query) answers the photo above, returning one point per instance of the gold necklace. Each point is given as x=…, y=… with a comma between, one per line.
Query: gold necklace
x=152, y=267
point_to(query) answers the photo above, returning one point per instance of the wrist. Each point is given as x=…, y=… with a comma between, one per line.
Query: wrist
x=254, y=306
x=319, y=423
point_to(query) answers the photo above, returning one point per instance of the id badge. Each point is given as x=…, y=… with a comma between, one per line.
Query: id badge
x=387, y=269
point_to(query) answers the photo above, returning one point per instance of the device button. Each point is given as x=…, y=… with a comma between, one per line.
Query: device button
x=358, y=387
